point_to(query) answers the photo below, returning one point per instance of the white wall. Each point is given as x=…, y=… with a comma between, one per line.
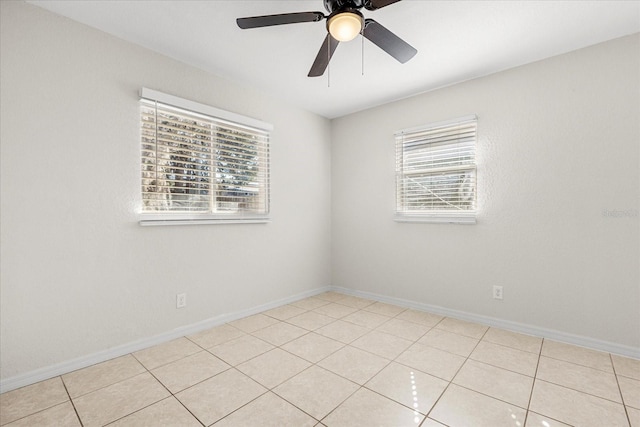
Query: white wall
x=79, y=275
x=558, y=144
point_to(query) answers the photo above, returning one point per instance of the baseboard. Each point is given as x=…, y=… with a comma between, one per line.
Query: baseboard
x=102, y=356
x=551, y=334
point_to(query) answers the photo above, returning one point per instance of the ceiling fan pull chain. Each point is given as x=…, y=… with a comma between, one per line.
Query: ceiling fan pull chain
x=329, y=62
x=362, y=38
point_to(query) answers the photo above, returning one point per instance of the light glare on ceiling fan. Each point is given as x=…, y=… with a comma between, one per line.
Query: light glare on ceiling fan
x=345, y=26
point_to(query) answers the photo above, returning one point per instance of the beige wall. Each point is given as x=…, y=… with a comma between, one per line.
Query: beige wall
x=558, y=144
x=79, y=275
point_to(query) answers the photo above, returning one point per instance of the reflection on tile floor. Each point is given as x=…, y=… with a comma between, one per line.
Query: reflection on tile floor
x=338, y=360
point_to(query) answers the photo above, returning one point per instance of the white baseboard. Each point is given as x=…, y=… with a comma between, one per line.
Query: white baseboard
x=102, y=356
x=551, y=334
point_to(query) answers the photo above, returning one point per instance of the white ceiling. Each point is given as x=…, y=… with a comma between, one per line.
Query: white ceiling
x=456, y=41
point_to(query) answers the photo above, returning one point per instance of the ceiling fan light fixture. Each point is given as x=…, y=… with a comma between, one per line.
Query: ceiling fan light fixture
x=345, y=26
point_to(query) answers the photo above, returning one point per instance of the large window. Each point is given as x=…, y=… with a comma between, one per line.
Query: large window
x=200, y=163
x=436, y=172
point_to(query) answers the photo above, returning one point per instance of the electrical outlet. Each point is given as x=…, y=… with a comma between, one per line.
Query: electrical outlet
x=497, y=292
x=181, y=300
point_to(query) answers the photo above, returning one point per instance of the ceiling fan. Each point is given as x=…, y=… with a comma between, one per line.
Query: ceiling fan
x=344, y=23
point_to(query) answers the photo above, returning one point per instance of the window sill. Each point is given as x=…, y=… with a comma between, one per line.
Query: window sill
x=201, y=221
x=438, y=218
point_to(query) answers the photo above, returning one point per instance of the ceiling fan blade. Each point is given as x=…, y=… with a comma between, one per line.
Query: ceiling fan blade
x=378, y=4
x=285, y=18
x=387, y=41
x=324, y=56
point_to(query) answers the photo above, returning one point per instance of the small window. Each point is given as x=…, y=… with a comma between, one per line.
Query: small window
x=436, y=172
x=200, y=164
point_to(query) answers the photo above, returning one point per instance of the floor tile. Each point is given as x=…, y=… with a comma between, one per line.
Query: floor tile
x=284, y=312
x=280, y=333
x=578, y=377
x=385, y=309
x=334, y=310
x=537, y=420
x=366, y=319
x=431, y=361
x=431, y=423
x=331, y=296
x=217, y=397
x=342, y=331
x=634, y=416
x=167, y=412
x=461, y=327
x=385, y=345
x=310, y=320
x=580, y=355
x=365, y=408
x=28, y=400
x=62, y=415
x=630, y=391
x=216, y=336
x=316, y=391
x=504, y=385
x=310, y=303
x=168, y=352
x=313, y=347
x=626, y=366
x=508, y=358
x=265, y=375
x=184, y=373
x=575, y=408
x=268, y=410
x=356, y=365
x=89, y=379
x=240, y=349
x=412, y=388
x=273, y=367
x=421, y=317
x=460, y=407
x=118, y=400
x=253, y=323
x=513, y=340
x=448, y=341
x=355, y=302
x=404, y=329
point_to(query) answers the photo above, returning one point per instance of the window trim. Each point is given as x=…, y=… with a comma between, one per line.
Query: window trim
x=436, y=216
x=187, y=218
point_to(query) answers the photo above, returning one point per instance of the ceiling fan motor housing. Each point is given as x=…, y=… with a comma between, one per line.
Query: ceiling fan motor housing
x=336, y=6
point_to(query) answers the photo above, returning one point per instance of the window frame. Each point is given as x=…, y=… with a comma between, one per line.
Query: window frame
x=460, y=216
x=150, y=218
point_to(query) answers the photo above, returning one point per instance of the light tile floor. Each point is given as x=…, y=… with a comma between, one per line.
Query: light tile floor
x=337, y=360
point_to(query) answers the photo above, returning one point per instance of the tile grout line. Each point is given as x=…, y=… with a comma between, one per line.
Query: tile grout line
x=579, y=364
x=160, y=382
x=457, y=371
x=49, y=407
x=624, y=405
x=71, y=400
x=360, y=387
x=173, y=395
x=271, y=390
x=533, y=384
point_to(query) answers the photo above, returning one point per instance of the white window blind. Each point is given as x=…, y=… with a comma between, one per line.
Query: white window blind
x=201, y=163
x=436, y=172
